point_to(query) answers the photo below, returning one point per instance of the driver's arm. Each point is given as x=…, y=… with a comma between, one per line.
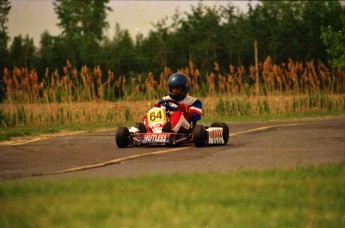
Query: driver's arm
x=196, y=110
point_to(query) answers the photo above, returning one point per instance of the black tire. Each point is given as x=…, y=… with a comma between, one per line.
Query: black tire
x=122, y=137
x=226, y=131
x=199, y=135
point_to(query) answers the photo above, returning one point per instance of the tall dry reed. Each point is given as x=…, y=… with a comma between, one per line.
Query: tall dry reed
x=85, y=96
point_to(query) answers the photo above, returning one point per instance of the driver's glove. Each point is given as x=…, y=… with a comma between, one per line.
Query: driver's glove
x=156, y=106
x=185, y=109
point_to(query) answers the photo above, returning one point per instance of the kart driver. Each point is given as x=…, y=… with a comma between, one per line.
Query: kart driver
x=189, y=109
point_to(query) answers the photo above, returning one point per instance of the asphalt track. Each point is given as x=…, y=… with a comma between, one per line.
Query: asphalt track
x=261, y=145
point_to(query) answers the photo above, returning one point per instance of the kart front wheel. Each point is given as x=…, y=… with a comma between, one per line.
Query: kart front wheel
x=122, y=137
x=199, y=135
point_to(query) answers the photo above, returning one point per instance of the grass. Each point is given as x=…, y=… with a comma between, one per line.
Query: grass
x=83, y=100
x=53, y=114
x=74, y=97
x=275, y=117
x=23, y=131
x=8, y=133
x=300, y=197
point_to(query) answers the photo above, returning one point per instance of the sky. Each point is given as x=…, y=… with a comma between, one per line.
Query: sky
x=33, y=17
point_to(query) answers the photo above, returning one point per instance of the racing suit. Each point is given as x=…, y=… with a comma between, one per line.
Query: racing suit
x=189, y=111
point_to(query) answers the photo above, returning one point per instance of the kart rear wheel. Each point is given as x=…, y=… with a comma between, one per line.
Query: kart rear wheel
x=122, y=137
x=199, y=135
x=226, y=131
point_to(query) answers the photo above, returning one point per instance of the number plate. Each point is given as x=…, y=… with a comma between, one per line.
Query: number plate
x=149, y=137
x=156, y=115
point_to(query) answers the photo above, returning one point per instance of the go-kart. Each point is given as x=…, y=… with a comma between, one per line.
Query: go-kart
x=201, y=134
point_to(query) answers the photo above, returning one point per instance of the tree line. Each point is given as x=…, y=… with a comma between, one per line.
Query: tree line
x=298, y=30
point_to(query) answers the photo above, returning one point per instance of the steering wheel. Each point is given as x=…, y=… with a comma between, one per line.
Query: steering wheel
x=167, y=105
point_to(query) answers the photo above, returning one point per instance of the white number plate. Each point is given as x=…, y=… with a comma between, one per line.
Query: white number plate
x=156, y=137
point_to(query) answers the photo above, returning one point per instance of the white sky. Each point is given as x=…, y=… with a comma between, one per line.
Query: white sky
x=33, y=17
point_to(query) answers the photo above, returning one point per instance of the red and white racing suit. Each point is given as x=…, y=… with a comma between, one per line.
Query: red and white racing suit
x=181, y=117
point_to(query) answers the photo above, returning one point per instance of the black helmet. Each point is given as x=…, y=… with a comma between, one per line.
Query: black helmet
x=178, y=80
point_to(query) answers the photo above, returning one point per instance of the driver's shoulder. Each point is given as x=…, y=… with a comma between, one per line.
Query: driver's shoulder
x=189, y=100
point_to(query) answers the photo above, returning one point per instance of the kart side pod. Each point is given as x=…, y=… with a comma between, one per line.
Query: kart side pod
x=217, y=133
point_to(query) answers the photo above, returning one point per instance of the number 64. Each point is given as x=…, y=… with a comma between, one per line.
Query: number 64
x=156, y=115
